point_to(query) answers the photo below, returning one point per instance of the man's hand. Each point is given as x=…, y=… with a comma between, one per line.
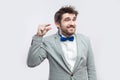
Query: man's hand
x=43, y=29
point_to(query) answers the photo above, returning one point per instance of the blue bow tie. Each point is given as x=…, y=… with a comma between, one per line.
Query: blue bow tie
x=65, y=39
x=71, y=38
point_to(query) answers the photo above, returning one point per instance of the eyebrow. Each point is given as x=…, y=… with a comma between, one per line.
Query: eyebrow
x=69, y=17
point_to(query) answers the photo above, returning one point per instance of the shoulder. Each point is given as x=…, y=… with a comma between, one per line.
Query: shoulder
x=82, y=37
x=50, y=38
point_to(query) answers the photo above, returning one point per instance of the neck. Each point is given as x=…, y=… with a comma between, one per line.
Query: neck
x=66, y=35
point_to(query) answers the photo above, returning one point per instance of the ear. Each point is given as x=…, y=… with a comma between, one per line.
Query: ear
x=57, y=24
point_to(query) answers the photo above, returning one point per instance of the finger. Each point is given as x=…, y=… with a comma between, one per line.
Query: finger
x=48, y=28
x=39, y=33
x=47, y=25
x=44, y=32
x=43, y=29
x=40, y=30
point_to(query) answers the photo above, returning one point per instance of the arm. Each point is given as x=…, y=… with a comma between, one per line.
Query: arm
x=90, y=64
x=36, y=52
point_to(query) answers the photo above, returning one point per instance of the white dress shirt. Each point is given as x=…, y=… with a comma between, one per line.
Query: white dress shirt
x=70, y=52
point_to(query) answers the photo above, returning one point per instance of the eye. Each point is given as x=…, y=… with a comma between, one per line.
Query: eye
x=74, y=19
x=67, y=19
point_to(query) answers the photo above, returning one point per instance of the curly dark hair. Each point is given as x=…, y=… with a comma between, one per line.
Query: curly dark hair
x=63, y=10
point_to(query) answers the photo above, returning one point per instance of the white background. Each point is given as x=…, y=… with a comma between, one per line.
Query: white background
x=97, y=19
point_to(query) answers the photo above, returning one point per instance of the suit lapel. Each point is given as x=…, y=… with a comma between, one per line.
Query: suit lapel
x=64, y=63
x=79, y=51
x=80, y=47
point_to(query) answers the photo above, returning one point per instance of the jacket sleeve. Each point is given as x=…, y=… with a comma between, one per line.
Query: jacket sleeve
x=36, y=52
x=90, y=64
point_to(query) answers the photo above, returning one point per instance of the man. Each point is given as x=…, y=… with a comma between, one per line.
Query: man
x=70, y=55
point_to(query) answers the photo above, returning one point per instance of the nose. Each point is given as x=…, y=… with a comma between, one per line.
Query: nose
x=72, y=22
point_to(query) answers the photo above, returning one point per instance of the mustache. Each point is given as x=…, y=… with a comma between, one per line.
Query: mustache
x=71, y=26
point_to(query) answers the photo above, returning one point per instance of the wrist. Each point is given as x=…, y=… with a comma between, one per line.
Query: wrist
x=39, y=35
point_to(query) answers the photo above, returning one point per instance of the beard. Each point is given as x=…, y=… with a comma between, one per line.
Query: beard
x=69, y=30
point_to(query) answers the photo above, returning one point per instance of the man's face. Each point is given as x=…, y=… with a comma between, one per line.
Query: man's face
x=68, y=24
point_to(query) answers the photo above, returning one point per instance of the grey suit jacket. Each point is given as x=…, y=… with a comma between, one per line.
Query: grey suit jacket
x=49, y=47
